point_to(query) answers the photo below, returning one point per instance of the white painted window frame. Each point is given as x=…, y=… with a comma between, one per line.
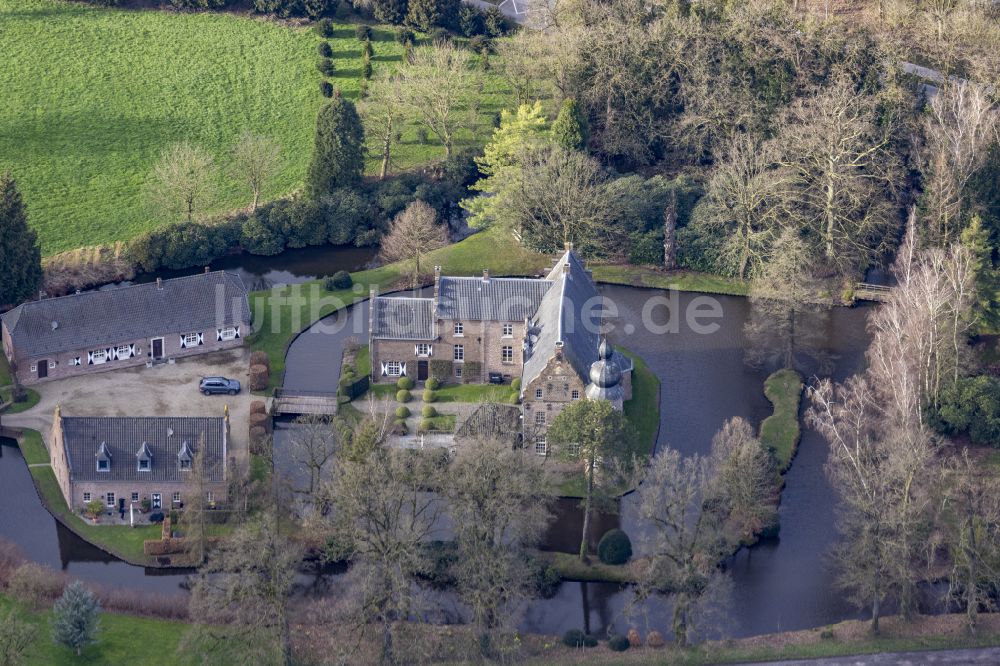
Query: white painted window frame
x=459, y=329
x=109, y=500
x=541, y=447
x=394, y=369
x=458, y=354
x=507, y=354
x=508, y=330
x=423, y=350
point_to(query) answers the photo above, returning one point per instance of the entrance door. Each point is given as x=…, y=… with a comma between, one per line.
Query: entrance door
x=157, y=347
x=43, y=369
x=421, y=370
x=121, y=504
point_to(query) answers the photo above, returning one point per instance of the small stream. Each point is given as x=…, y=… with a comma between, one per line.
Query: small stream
x=782, y=584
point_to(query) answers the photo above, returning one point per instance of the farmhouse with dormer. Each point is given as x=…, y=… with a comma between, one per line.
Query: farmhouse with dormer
x=116, y=328
x=544, y=331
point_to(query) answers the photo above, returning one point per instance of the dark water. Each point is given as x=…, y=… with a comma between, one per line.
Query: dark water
x=289, y=267
x=784, y=584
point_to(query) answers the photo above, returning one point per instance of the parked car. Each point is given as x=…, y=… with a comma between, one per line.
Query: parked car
x=216, y=385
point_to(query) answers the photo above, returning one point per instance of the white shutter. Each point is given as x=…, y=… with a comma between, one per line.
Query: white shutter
x=402, y=369
x=133, y=350
x=218, y=334
x=201, y=338
x=90, y=358
x=416, y=350
x=237, y=331
x=385, y=369
x=183, y=344
x=110, y=353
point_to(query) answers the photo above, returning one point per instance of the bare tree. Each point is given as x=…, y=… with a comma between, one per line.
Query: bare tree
x=17, y=635
x=255, y=159
x=313, y=444
x=670, y=233
x=442, y=90
x=962, y=124
x=413, y=233
x=241, y=597
x=835, y=149
x=686, y=543
x=182, y=181
x=745, y=481
x=500, y=506
x=381, y=519
x=382, y=114
x=197, y=505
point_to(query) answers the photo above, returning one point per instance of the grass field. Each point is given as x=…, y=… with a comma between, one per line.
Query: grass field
x=681, y=280
x=781, y=431
x=91, y=96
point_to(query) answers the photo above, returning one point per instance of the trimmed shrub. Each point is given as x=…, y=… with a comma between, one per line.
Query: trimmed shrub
x=326, y=66
x=402, y=412
x=156, y=517
x=614, y=547
x=367, y=51
x=516, y=383
x=259, y=377
x=590, y=641
x=326, y=88
x=472, y=372
x=260, y=358
x=339, y=280
x=403, y=395
x=573, y=638
x=655, y=639
x=426, y=424
x=363, y=33
x=441, y=370
x=258, y=407
x=428, y=412
x=324, y=28
x=634, y=639
x=618, y=643
x=405, y=36
x=405, y=383
x=325, y=50
x=261, y=421
x=432, y=383
x=366, y=69
x=429, y=396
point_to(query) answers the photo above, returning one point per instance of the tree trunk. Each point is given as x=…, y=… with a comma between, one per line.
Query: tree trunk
x=256, y=200
x=670, y=234
x=876, y=611
x=386, y=150
x=586, y=508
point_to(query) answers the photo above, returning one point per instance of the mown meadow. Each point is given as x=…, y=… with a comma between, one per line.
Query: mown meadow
x=90, y=97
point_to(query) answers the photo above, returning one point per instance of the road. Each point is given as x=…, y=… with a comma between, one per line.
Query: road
x=979, y=656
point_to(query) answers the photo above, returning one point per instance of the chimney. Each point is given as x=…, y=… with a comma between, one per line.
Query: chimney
x=559, y=350
x=159, y=283
x=437, y=283
x=566, y=268
x=486, y=275
x=207, y=270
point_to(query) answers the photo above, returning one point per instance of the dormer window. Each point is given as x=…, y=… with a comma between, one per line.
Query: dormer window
x=184, y=458
x=103, y=458
x=144, y=458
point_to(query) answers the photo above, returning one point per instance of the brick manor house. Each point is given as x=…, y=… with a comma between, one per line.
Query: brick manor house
x=545, y=331
x=115, y=328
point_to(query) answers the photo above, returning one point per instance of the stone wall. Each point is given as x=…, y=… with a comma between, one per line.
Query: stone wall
x=559, y=386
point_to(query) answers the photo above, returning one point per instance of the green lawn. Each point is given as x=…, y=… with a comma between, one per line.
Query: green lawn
x=280, y=314
x=5, y=376
x=124, y=542
x=440, y=423
x=124, y=640
x=681, y=280
x=780, y=431
x=92, y=96
x=570, y=567
x=363, y=362
x=477, y=393
x=31, y=401
x=33, y=449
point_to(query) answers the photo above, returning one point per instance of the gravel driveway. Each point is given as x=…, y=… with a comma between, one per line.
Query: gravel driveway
x=163, y=390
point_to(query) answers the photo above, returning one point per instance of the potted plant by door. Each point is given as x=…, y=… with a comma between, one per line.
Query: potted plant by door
x=146, y=505
x=94, y=509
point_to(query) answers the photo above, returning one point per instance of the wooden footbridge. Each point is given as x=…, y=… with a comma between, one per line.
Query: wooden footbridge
x=292, y=402
x=871, y=292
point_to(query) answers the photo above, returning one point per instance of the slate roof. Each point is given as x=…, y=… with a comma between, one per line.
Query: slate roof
x=399, y=318
x=493, y=299
x=125, y=435
x=99, y=318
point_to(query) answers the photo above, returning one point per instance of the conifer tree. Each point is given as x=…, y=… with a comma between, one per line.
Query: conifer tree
x=75, y=618
x=20, y=258
x=570, y=127
x=338, y=155
x=976, y=240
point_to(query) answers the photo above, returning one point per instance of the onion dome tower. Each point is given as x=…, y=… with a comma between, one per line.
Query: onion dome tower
x=605, y=378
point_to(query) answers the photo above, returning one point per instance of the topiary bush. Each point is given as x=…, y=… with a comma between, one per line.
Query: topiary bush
x=403, y=395
x=156, y=517
x=363, y=33
x=326, y=66
x=426, y=425
x=573, y=638
x=619, y=643
x=337, y=281
x=405, y=36
x=614, y=547
x=402, y=412
x=326, y=88
x=405, y=383
x=428, y=412
x=325, y=50
x=430, y=396
x=433, y=384
x=366, y=69
x=260, y=358
x=516, y=383
x=324, y=28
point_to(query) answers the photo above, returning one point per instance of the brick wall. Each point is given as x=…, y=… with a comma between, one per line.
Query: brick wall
x=557, y=382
